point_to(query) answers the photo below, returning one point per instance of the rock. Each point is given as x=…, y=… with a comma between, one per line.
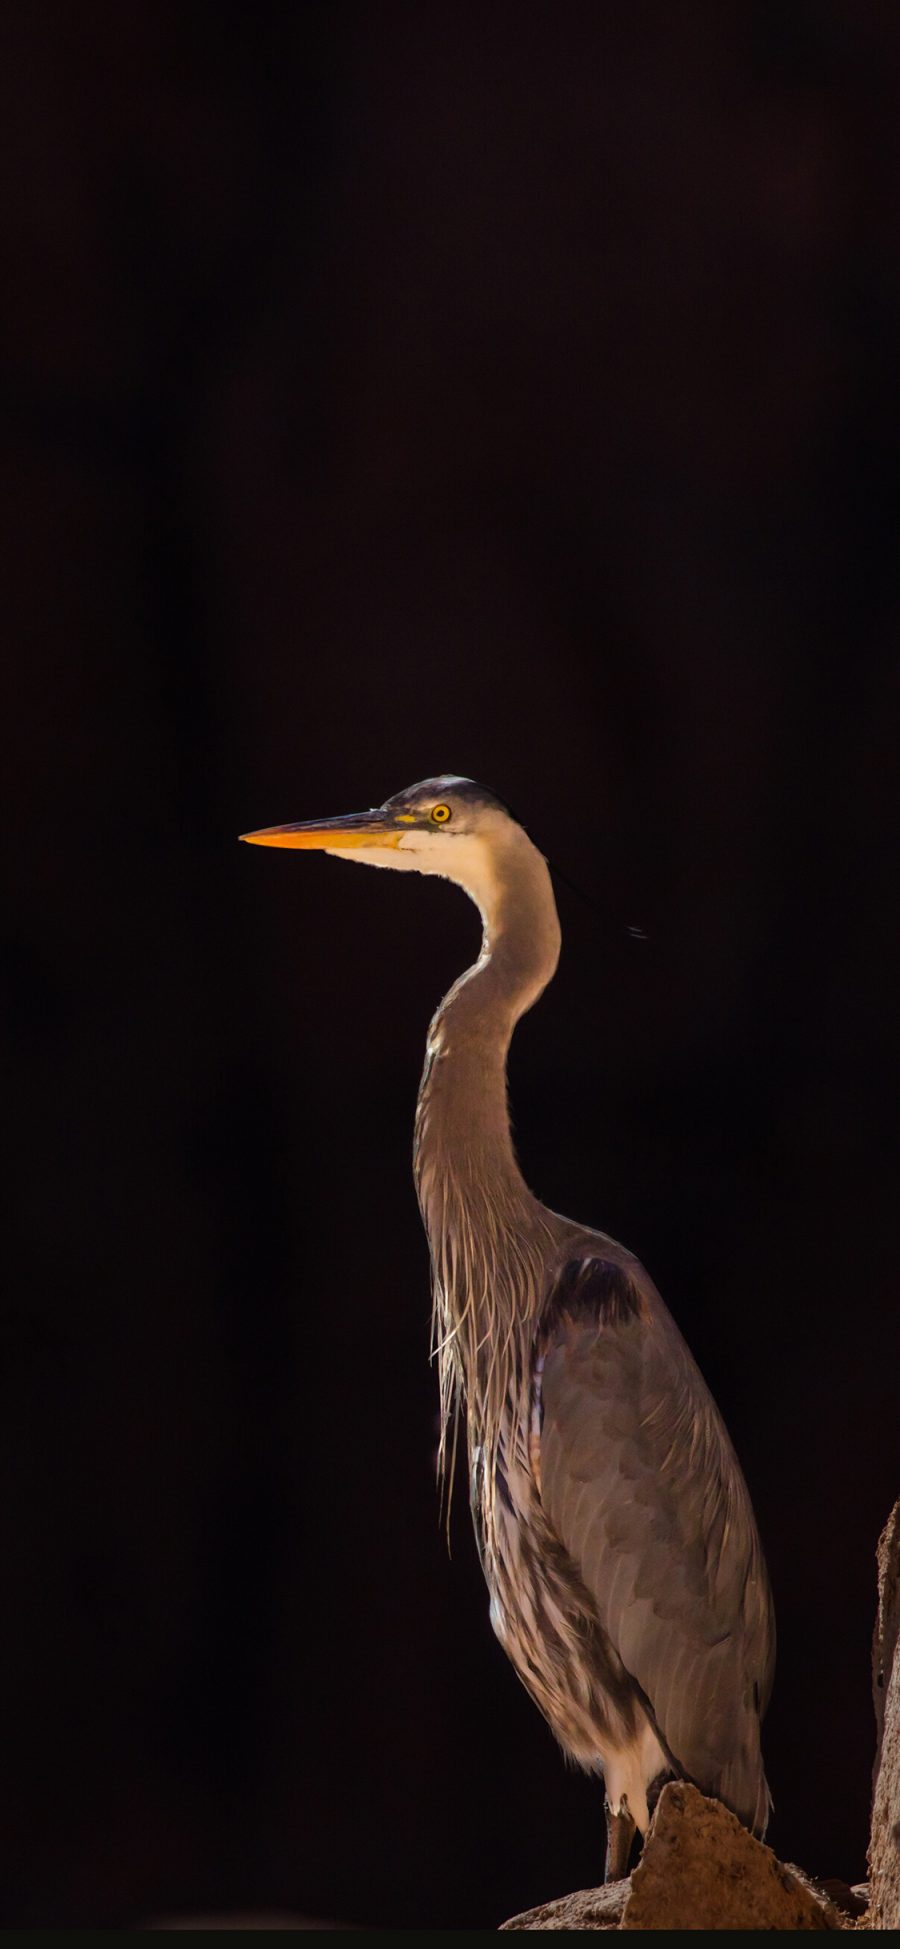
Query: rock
x=884, y=1846
x=700, y=1869
x=851, y=1901
x=590, y=1908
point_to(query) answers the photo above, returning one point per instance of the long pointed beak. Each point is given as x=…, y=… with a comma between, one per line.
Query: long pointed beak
x=330, y=835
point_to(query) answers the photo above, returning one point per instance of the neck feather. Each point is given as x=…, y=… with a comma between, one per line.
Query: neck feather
x=486, y=1231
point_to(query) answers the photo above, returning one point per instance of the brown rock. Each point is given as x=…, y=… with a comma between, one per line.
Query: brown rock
x=884, y=1846
x=590, y=1908
x=851, y=1901
x=700, y=1869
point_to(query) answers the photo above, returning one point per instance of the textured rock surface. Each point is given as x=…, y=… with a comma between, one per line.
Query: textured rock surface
x=589, y=1908
x=700, y=1869
x=851, y=1901
x=884, y=1847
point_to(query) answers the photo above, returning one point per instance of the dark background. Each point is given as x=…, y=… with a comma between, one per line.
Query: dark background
x=398, y=388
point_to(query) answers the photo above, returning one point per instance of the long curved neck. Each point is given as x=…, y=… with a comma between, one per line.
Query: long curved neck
x=462, y=1122
x=482, y=1222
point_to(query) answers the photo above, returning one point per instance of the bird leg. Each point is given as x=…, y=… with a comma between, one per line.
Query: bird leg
x=619, y=1836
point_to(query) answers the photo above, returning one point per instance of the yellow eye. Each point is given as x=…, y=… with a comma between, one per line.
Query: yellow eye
x=440, y=814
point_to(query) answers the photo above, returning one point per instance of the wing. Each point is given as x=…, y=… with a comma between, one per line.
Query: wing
x=641, y=1484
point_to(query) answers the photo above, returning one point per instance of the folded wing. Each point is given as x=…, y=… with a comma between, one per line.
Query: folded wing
x=641, y=1484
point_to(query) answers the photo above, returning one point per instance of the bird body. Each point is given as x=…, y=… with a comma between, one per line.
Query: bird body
x=626, y=1579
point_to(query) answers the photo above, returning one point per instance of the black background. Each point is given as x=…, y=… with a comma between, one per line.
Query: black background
x=396, y=388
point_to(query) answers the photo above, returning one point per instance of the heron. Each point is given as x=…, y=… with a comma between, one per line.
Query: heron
x=615, y=1530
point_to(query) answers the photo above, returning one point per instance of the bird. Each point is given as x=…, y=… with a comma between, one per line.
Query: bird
x=626, y=1578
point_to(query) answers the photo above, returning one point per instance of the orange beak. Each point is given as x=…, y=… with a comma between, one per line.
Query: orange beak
x=330, y=835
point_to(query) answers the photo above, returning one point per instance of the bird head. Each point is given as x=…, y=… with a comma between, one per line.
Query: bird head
x=445, y=825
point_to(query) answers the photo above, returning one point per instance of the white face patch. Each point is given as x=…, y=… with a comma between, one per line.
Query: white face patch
x=466, y=857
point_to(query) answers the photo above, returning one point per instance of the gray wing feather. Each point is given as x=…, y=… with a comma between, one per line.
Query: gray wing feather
x=642, y=1486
